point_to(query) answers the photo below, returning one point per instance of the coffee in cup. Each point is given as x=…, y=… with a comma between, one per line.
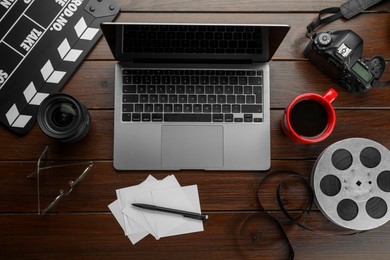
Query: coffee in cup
x=310, y=117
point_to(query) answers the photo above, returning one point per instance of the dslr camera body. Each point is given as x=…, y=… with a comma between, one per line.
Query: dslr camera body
x=339, y=55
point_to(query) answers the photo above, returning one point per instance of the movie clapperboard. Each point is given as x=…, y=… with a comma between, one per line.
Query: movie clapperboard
x=42, y=43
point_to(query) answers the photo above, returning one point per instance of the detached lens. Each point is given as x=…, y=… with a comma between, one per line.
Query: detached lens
x=64, y=118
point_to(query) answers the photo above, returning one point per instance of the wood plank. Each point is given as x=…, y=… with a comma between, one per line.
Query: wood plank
x=372, y=124
x=77, y=235
x=375, y=41
x=233, y=6
x=218, y=190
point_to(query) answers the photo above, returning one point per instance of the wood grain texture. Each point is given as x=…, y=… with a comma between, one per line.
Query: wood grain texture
x=295, y=41
x=81, y=227
x=232, y=6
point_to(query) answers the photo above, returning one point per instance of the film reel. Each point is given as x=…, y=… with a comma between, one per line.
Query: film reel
x=351, y=183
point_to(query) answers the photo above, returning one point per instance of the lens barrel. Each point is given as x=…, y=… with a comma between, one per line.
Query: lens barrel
x=63, y=118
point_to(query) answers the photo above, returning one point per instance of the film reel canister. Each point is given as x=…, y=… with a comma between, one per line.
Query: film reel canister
x=351, y=183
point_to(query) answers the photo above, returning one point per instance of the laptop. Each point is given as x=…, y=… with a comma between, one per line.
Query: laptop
x=192, y=96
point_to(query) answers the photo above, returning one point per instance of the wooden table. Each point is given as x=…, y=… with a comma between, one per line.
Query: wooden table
x=81, y=225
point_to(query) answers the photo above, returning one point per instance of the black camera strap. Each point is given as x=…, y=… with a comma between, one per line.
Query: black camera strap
x=347, y=10
x=377, y=83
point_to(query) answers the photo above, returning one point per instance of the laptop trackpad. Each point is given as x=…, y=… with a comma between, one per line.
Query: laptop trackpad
x=192, y=147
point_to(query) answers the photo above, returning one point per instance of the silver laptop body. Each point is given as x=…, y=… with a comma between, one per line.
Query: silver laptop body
x=175, y=140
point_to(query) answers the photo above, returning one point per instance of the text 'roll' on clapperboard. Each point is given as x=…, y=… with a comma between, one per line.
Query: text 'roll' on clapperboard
x=41, y=44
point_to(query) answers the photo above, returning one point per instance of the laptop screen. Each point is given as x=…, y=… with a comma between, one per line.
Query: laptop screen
x=193, y=41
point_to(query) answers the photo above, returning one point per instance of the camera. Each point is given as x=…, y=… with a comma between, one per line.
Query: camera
x=64, y=118
x=339, y=55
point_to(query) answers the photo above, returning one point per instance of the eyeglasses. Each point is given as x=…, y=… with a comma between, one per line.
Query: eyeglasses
x=62, y=192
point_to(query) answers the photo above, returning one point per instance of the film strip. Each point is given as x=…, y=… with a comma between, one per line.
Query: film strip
x=351, y=183
x=41, y=44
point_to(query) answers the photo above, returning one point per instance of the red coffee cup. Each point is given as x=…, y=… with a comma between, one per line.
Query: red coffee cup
x=310, y=118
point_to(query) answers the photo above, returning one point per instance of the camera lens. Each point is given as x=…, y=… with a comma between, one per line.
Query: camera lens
x=63, y=118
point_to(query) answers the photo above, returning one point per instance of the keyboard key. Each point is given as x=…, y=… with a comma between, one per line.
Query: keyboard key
x=161, y=89
x=187, y=108
x=217, y=108
x=255, y=81
x=139, y=108
x=168, y=108
x=228, y=89
x=197, y=108
x=171, y=89
x=202, y=99
x=153, y=98
x=158, y=107
x=217, y=117
x=214, y=80
x=148, y=108
x=238, y=90
x=157, y=117
x=126, y=117
x=163, y=98
x=247, y=89
x=209, y=90
x=183, y=98
x=233, y=80
x=190, y=89
x=236, y=109
x=187, y=117
x=129, y=89
x=218, y=89
x=221, y=99
x=127, y=107
x=136, y=117
x=172, y=98
x=192, y=99
x=144, y=98
x=228, y=117
x=195, y=80
x=146, y=117
x=141, y=89
x=251, y=109
x=199, y=90
x=231, y=99
x=130, y=98
x=180, y=89
x=224, y=80
x=226, y=108
x=242, y=80
x=240, y=99
x=211, y=99
x=206, y=108
x=178, y=107
x=151, y=89
x=250, y=99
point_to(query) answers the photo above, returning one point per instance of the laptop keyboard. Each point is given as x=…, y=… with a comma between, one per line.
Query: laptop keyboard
x=192, y=95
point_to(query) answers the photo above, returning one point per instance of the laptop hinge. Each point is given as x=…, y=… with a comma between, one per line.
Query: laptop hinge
x=193, y=61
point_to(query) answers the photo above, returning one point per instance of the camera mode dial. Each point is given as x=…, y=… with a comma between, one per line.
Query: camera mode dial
x=324, y=39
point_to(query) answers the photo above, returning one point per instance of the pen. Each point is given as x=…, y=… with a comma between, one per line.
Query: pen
x=186, y=214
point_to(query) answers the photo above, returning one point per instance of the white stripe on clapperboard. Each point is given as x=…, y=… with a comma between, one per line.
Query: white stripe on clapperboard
x=32, y=96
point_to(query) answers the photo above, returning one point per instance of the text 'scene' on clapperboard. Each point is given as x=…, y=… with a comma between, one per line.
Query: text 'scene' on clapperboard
x=41, y=44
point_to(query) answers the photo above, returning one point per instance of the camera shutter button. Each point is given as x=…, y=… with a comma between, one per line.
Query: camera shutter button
x=324, y=39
